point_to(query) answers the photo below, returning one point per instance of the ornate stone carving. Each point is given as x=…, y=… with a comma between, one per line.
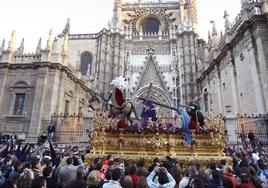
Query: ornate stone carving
x=160, y=13
x=141, y=49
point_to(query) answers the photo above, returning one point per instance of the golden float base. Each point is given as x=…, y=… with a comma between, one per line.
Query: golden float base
x=207, y=148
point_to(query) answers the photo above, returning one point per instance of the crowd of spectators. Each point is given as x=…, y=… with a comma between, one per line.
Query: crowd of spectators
x=35, y=166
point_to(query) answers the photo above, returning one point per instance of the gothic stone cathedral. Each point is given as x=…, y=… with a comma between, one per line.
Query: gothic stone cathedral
x=146, y=42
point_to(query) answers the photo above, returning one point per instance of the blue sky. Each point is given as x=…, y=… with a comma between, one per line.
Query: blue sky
x=32, y=19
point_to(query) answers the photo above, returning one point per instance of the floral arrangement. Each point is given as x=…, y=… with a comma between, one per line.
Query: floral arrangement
x=101, y=122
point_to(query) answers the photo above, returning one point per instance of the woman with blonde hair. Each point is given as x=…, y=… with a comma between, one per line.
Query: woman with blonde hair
x=25, y=181
x=127, y=182
x=142, y=182
x=93, y=179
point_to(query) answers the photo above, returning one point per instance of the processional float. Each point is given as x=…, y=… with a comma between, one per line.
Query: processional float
x=116, y=133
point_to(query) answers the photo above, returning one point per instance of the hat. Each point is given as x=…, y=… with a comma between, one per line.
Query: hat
x=47, y=157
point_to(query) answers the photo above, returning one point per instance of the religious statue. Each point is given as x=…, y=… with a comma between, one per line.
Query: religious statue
x=118, y=103
x=197, y=117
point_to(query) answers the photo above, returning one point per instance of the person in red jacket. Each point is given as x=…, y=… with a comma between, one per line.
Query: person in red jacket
x=228, y=173
x=134, y=177
x=245, y=181
x=104, y=168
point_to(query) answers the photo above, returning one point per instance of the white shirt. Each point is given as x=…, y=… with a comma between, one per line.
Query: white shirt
x=112, y=184
x=152, y=184
x=255, y=157
x=184, y=182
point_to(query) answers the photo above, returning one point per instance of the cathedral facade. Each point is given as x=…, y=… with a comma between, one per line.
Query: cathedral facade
x=233, y=79
x=146, y=42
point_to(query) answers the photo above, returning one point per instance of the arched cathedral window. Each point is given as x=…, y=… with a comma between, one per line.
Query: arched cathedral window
x=86, y=61
x=151, y=24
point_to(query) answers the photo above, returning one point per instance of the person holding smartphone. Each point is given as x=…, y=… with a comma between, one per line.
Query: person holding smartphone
x=165, y=180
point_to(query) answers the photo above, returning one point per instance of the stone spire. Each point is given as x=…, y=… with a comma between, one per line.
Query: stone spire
x=209, y=45
x=67, y=27
x=2, y=48
x=3, y=44
x=206, y=52
x=244, y=2
x=54, y=44
x=11, y=44
x=47, y=52
x=116, y=22
x=49, y=40
x=65, y=46
x=20, y=50
x=8, y=55
x=65, y=50
x=215, y=38
x=109, y=25
x=193, y=13
x=39, y=46
x=214, y=30
x=227, y=24
x=209, y=36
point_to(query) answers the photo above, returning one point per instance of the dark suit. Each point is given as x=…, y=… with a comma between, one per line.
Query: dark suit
x=51, y=130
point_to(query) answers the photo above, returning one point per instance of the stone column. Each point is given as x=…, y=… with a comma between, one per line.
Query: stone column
x=236, y=106
x=106, y=71
x=185, y=69
x=97, y=56
x=60, y=93
x=209, y=94
x=102, y=63
x=39, y=100
x=234, y=82
x=108, y=66
x=193, y=65
x=221, y=109
x=121, y=59
x=116, y=54
x=180, y=69
x=54, y=84
x=3, y=80
x=76, y=99
x=260, y=103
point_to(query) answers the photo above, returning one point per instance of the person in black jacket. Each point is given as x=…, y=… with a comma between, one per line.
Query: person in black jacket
x=251, y=137
x=50, y=131
x=47, y=173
